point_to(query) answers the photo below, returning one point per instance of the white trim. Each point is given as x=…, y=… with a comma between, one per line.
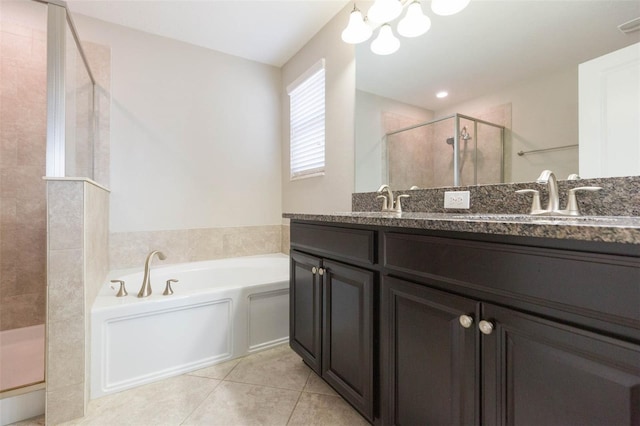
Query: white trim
x=305, y=75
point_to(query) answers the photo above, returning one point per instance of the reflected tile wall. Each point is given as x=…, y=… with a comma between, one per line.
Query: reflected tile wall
x=130, y=249
x=22, y=165
x=422, y=156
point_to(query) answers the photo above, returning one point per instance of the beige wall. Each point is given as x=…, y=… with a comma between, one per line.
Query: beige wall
x=195, y=134
x=331, y=192
x=22, y=164
x=77, y=265
x=544, y=115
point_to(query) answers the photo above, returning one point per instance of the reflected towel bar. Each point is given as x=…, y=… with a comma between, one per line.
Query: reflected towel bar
x=535, y=151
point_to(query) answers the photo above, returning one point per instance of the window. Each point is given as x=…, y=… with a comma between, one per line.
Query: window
x=306, y=96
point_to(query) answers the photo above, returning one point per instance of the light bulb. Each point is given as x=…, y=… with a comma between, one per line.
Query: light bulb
x=448, y=7
x=386, y=43
x=384, y=10
x=415, y=22
x=357, y=31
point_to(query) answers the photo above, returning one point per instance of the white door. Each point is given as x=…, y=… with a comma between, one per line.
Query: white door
x=609, y=114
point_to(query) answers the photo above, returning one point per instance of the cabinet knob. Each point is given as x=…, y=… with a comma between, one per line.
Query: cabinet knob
x=320, y=271
x=466, y=321
x=485, y=327
x=314, y=270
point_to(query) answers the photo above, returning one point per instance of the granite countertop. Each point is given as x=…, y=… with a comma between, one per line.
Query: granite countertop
x=613, y=229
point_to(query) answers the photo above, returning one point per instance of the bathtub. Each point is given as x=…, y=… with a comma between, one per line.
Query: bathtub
x=220, y=310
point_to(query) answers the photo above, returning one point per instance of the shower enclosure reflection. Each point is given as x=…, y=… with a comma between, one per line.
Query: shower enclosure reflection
x=451, y=151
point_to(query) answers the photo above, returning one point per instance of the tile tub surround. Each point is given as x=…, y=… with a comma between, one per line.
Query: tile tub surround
x=623, y=230
x=130, y=249
x=271, y=387
x=620, y=196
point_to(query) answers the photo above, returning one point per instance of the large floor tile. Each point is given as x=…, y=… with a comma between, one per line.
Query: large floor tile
x=279, y=367
x=218, y=371
x=315, y=384
x=243, y=404
x=327, y=410
x=168, y=402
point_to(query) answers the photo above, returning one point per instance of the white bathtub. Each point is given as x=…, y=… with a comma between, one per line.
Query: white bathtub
x=220, y=309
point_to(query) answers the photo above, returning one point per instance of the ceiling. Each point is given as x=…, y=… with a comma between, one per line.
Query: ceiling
x=267, y=31
x=488, y=46
x=493, y=44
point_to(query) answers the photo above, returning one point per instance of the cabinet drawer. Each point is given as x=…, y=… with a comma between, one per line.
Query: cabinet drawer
x=606, y=287
x=334, y=242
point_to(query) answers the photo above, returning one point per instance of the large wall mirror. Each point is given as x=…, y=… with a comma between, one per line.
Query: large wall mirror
x=512, y=63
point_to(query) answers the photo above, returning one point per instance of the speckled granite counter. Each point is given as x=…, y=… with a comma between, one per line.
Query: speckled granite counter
x=612, y=229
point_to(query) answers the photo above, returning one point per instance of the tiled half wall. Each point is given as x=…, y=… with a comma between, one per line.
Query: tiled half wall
x=77, y=265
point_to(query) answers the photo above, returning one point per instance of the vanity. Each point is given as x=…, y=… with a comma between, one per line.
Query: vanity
x=440, y=318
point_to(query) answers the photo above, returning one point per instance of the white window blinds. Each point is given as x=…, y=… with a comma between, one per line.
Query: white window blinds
x=306, y=96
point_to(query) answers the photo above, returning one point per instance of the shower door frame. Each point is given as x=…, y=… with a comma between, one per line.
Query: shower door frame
x=456, y=143
x=58, y=17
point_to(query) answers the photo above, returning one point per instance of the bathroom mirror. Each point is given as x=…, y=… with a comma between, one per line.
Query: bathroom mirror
x=514, y=63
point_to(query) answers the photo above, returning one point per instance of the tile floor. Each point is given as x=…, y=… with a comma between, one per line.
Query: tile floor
x=273, y=387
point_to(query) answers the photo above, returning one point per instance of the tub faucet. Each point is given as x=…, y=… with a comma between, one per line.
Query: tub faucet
x=145, y=290
x=549, y=178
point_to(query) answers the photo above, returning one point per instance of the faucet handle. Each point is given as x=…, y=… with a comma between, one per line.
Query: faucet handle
x=398, y=207
x=385, y=202
x=535, y=203
x=572, y=203
x=123, y=291
x=168, y=290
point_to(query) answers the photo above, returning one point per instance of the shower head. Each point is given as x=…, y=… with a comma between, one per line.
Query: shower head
x=450, y=141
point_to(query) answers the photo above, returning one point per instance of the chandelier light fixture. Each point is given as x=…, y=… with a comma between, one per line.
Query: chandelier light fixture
x=383, y=12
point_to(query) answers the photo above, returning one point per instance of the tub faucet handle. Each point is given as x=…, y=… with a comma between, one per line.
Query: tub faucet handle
x=123, y=291
x=168, y=290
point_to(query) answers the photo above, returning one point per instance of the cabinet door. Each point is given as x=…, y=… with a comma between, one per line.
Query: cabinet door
x=538, y=372
x=347, y=360
x=305, y=308
x=428, y=358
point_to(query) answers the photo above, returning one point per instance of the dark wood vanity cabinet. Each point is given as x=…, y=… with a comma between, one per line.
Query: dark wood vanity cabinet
x=469, y=331
x=524, y=371
x=332, y=309
x=429, y=360
x=485, y=333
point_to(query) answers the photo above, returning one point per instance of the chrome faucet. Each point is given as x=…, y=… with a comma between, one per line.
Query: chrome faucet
x=145, y=290
x=549, y=178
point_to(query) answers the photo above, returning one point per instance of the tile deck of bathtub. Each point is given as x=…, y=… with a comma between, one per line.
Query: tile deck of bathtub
x=272, y=387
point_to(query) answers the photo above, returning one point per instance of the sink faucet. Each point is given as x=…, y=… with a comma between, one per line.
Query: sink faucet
x=145, y=290
x=549, y=178
x=388, y=198
x=389, y=204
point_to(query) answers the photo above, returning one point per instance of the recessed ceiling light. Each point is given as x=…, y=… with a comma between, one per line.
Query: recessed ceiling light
x=442, y=95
